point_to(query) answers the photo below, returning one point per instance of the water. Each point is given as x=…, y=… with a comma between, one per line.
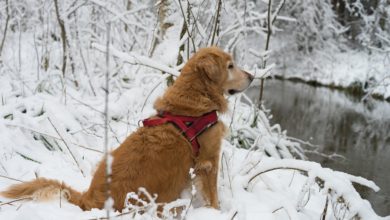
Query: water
x=338, y=123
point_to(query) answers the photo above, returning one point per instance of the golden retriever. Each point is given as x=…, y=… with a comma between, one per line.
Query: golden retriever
x=159, y=158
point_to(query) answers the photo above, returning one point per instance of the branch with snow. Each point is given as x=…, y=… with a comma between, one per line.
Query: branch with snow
x=133, y=58
x=337, y=184
x=252, y=130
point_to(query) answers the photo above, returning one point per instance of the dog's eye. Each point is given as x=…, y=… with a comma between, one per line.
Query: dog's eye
x=231, y=66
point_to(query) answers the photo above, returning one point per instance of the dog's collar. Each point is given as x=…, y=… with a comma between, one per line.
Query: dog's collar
x=191, y=127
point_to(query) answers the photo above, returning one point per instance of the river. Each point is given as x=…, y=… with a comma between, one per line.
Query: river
x=338, y=123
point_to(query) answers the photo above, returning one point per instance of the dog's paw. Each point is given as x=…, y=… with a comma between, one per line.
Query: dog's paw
x=212, y=206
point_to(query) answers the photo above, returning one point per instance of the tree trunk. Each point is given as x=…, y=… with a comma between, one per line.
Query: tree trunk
x=6, y=26
x=63, y=37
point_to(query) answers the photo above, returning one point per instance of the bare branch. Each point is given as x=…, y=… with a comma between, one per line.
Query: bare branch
x=270, y=21
x=216, y=24
x=106, y=116
x=187, y=26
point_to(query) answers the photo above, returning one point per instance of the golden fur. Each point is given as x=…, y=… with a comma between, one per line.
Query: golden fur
x=159, y=158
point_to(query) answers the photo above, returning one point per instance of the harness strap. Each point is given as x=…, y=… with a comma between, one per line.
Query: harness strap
x=191, y=127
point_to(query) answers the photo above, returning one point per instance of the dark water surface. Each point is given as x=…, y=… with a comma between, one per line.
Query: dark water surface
x=338, y=123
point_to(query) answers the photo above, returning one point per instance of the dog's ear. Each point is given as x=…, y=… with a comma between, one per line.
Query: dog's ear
x=208, y=67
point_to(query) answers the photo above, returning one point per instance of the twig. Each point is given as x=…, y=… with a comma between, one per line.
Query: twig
x=292, y=178
x=20, y=206
x=333, y=156
x=323, y=214
x=303, y=142
x=151, y=91
x=67, y=142
x=87, y=148
x=234, y=111
x=73, y=7
x=276, y=168
x=2, y=167
x=280, y=208
x=189, y=23
x=192, y=177
x=16, y=200
x=227, y=171
x=60, y=197
x=37, y=55
x=20, y=53
x=10, y=178
x=234, y=215
x=85, y=104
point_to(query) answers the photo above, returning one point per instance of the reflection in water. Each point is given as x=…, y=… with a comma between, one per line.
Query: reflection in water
x=340, y=124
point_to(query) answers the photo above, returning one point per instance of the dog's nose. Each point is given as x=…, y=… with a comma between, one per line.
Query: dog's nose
x=250, y=76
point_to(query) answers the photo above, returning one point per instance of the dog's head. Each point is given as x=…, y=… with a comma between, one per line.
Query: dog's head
x=217, y=68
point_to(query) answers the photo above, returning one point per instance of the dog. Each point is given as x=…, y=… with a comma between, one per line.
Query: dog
x=159, y=157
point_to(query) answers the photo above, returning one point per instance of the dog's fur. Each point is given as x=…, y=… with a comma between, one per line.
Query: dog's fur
x=159, y=158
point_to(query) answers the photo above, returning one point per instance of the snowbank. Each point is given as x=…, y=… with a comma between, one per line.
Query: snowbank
x=361, y=70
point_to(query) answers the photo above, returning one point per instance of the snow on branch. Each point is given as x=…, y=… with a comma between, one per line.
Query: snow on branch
x=137, y=59
x=264, y=73
x=277, y=10
x=337, y=184
x=252, y=130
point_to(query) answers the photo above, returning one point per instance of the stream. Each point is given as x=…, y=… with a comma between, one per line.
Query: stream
x=338, y=123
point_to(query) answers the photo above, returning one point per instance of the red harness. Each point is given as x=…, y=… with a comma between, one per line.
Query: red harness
x=191, y=127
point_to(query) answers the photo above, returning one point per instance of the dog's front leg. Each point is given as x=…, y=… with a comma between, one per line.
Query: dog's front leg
x=207, y=174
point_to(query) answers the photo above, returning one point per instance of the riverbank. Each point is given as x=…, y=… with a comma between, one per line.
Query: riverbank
x=355, y=89
x=362, y=73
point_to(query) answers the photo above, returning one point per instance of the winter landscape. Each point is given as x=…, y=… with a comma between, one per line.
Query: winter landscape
x=77, y=76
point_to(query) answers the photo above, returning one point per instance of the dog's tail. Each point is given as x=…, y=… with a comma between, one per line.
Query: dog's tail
x=42, y=189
